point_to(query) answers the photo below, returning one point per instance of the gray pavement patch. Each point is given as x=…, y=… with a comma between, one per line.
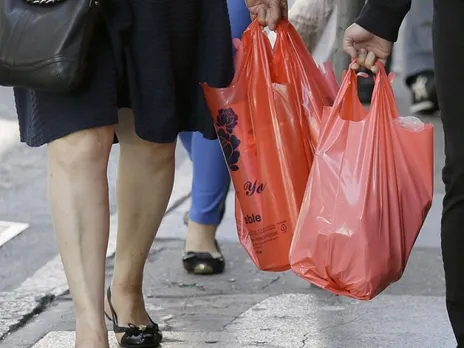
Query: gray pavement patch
x=430, y=233
x=165, y=278
x=16, y=308
x=297, y=321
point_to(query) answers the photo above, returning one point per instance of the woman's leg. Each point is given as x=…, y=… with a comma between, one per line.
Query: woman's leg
x=449, y=55
x=144, y=185
x=210, y=185
x=78, y=191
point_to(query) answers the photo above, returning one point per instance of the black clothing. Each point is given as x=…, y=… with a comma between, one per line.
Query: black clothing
x=384, y=17
x=149, y=55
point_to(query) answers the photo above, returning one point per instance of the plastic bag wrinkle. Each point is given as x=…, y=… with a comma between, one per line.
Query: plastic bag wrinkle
x=367, y=196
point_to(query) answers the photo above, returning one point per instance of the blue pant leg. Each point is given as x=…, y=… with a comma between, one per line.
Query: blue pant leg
x=210, y=180
x=239, y=17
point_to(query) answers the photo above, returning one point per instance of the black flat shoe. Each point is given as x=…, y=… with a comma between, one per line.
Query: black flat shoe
x=135, y=336
x=204, y=263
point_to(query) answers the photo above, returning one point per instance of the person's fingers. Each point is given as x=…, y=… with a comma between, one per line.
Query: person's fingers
x=362, y=53
x=351, y=51
x=370, y=60
x=355, y=66
x=262, y=16
x=274, y=13
x=349, y=48
x=375, y=68
x=383, y=61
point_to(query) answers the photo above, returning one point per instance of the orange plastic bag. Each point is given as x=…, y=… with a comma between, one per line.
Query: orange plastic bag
x=261, y=124
x=368, y=194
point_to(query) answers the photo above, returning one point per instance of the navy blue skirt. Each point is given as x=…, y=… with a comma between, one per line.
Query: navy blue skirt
x=147, y=55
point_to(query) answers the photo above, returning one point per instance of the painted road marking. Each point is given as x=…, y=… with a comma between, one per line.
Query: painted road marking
x=9, y=134
x=50, y=280
x=65, y=339
x=9, y=230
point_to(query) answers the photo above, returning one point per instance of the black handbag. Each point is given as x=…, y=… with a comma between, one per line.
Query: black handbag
x=44, y=43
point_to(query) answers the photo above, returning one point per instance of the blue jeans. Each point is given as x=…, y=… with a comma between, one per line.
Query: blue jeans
x=210, y=174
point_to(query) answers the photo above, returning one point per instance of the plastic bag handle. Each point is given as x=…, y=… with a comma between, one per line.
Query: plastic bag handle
x=252, y=37
x=261, y=45
x=381, y=83
x=382, y=90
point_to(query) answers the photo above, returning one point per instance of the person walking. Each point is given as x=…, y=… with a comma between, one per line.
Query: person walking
x=149, y=56
x=418, y=58
x=369, y=40
x=211, y=182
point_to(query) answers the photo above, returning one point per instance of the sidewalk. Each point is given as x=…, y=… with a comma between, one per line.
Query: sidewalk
x=247, y=308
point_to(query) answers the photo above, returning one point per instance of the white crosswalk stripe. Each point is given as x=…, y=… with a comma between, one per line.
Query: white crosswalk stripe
x=9, y=134
x=9, y=230
x=65, y=339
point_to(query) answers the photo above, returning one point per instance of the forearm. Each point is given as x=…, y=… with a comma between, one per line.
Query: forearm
x=384, y=17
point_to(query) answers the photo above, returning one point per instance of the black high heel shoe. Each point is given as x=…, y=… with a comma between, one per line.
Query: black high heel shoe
x=135, y=336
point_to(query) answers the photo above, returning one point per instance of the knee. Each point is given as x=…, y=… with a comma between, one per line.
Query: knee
x=152, y=156
x=85, y=151
x=164, y=155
